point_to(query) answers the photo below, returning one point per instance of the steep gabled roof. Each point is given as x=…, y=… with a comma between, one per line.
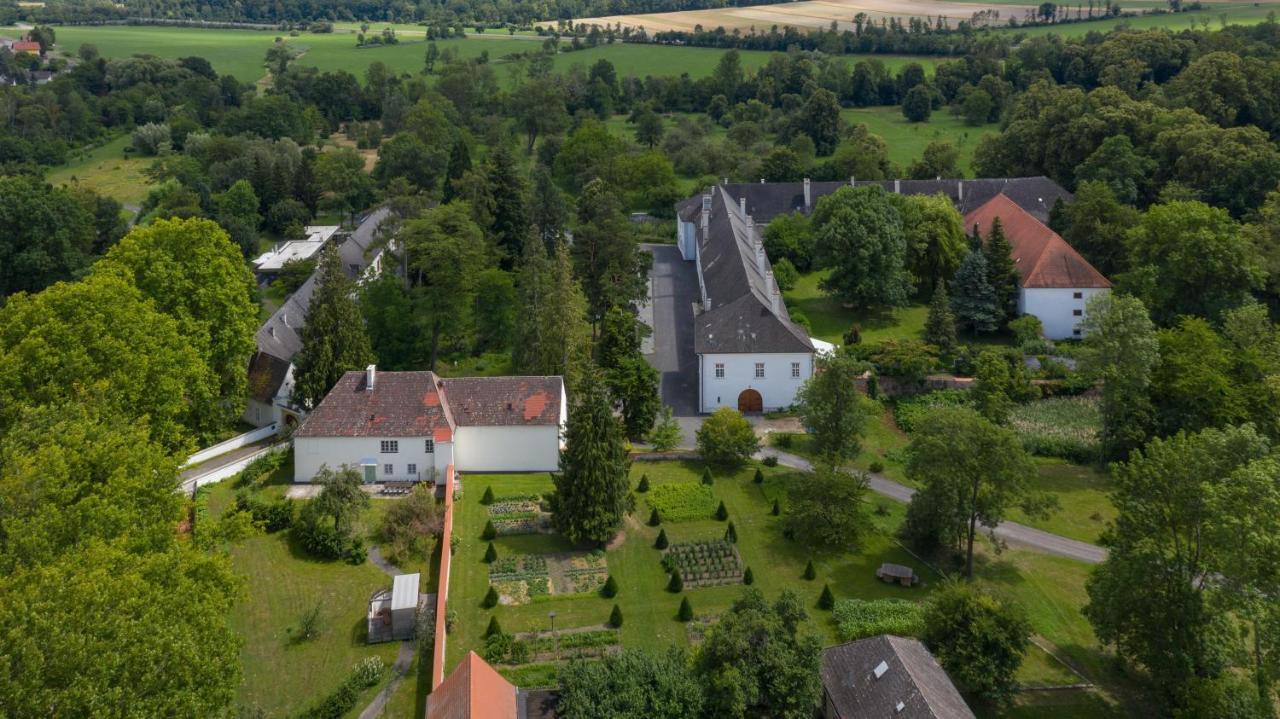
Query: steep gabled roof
x=401, y=404
x=503, y=401
x=266, y=374
x=1043, y=258
x=474, y=690
x=888, y=676
x=356, y=251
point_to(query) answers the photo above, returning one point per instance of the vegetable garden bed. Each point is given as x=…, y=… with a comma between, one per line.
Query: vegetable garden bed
x=682, y=502
x=705, y=564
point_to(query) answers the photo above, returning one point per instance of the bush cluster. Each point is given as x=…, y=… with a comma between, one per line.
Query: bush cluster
x=858, y=618
x=271, y=516
x=366, y=673
x=908, y=412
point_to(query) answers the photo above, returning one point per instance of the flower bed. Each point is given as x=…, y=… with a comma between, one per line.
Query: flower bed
x=1066, y=427
x=704, y=564
x=523, y=525
x=682, y=501
x=520, y=578
x=858, y=618
x=520, y=514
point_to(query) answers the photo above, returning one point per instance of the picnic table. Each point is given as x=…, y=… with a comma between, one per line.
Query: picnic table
x=896, y=573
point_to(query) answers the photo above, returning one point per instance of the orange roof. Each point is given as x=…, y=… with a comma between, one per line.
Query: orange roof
x=1043, y=258
x=473, y=691
x=26, y=46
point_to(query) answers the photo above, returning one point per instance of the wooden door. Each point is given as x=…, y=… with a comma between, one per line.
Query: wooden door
x=750, y=401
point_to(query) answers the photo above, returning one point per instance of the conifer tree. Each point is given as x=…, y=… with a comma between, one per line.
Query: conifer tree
x=940, y=325
x=686, y=610
x=507, y=187
x=777, y=508
x=1002, y=271
x=643, y=486
x=490, y=554
x=488, y=496
x=333, y=338
x=722, y=512
x=549, y=211
x=748, y=577
x=827, y=600
x=661, y=542
x=566, y=335
x=490, y=598
x=533, y=287
x=706, y=476
x=809, y=572
x=759, y=478
x=610, y=588
x=592, y=486
x=676, y=584
x=654, y=518
x=615, y=617
x=973, y=298
x=731, y=534
x=605, y=257
x=494, y=628
x=665, y=434
x=489, y=530
x=459, y=164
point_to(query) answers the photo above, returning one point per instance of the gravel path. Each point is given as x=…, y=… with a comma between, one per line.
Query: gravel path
x=1011, y=532
x=398, y=670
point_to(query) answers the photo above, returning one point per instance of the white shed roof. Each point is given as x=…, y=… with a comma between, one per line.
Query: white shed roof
x=404, y=591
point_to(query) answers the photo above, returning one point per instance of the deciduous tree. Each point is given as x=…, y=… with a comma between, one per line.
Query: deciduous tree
x=832, y=409
x=827, y=507
x=859, y=234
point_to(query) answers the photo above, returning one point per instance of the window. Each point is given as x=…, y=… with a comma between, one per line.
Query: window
x=759, y=370
x=1076, y=331
x=1077, y=313
x=390, y=446
x=431, y=446
x=719, y=370
x=413, y=469
x=795, y=369
x=388, y=469
x=1077, y=295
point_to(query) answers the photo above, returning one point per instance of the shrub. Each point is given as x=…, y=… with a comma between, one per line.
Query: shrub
x=759, y=478
x=676, y=584
x=783, y=440
x=309, y=624
x=770, y=461
x=490, y=554
x=859, y=618
x=356, y=553
x=497, y=648
x=410, y=526
x=643, y=486
x=747, y=577
x=722, y=512
x=777, y=508
x=490, y=599
x=273, y=516
x=876, y=467
x=726, y=438
x=610, y=588
x=682, y=501
x=908, y=412
x=809, y=572
x=707, y=479
x=368, y=671
x=662, y=540
x=615, y=617
x=152, y=139
x=319, y=537
x=731, y=534
x=488, y=496
x=827, y=600
x=686, y=610
x=495, y=627
x=1026, y=328
x=654, y=518
x=489, y=531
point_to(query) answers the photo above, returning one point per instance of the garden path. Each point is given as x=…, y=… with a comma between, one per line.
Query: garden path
x=398, y=671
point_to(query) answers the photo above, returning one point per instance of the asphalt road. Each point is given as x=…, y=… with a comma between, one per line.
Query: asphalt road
x=1011, y=532
x=675, y=290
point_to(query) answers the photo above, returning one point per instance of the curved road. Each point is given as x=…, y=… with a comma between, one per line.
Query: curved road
x=1011, y=532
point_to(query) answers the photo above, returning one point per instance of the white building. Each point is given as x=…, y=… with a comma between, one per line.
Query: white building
x=1055, y=282
x=410, y=426
x=274, y=260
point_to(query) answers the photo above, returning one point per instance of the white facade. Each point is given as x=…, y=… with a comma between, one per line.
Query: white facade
x=409, y=462
x=1060, y=310
x=533, y=448
x=724, y=377
x=686, y=240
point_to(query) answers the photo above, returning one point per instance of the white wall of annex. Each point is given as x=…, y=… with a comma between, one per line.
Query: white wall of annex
x=312, y=453
x=1056, y=308
x=507, y=449
x=777, y=389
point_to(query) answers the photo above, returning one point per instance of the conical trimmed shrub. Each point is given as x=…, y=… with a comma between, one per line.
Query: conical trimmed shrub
x=809, y=572
x=610, y=588
x=662, y=540
x=644, y=483
x=488, y=496
x=706, y=476
x=490, y=599
x=722, y=512
x=494, y=628
x=615, y=617
x=759, y=478
x=748, y=577
x=686, y=610
x=489, y=531
x=827, y=600
x=777, y=508
x=731, y=534
x=676, y=585
x=654, y=518
x=490, y=554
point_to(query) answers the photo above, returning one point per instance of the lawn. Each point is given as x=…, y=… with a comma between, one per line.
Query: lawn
x=906, y=140
x=830, y=321
x=107, y=171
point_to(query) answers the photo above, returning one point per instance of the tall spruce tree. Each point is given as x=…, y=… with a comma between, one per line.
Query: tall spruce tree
x=459, y=164
x=604, y=254
x=533, y=282
x=508, y=191
x=974, y=300
x=566, y=336
x=1002, y=271
x=333, y=339
x=940, y=325
x=592, y=486
x=548, y=209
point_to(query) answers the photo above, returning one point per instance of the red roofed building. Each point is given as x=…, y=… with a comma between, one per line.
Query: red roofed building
x=1056, y=281
x=409, y=426
x=27, y=46
x=474, y=690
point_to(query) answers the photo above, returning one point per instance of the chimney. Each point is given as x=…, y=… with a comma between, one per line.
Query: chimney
x=284, y=318
x=706, y=304
x=777, y=301
x=897, y=187
x=760, y=261
x=769, y=282
x=742, y=204
x=271, y=330
x=959, y=191
x=706, y=210
x=370, y=377
x=853, y=181
x=808, y=196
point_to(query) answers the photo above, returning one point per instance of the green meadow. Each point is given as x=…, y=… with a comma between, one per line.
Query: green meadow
x=907, y=140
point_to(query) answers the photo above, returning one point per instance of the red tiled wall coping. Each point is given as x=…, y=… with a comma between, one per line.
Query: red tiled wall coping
x=442, y=590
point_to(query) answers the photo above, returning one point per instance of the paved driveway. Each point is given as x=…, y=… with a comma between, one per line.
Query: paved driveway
x=674, y=284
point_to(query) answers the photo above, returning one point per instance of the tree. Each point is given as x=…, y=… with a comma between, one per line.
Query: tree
x=1002, y=270
x=1190, y=259
x=858, y=233
x=810, y=573
x=615, y=617
x=1096, y=224
x=661, y=542
x=490, y=554
x=980, y=640
x=632, y=684
x=826, y=600
x=788, y=237
x=675, y=585
x=974, y=300
x=819, y=118
x=538, y=108
x=685, y=613
x=387, y=308
x=494, y=628
x=548, y=209
x=48, y=236
x=649, y=128
x=918, y=104
x=494, y=310
x=756, y=662
x=976, y=107
x=334, y=339
x=610, y=588
x=444, y=255
x=340, y=175
x=940, y=159
x=151, y=139
x=934, y=233
x=782, y=164
x=992, y=387
x=722, y=512
x=827, y=507
x=193, y=273
x=1193, y=386
x=592, y=486
x=508, y=190
x=1122, y=351
x=608, y=261
x=831, y=408
x=726, y=438
x=1163, y=540
x=940, y=323
x=970, y=472
x=666, y=434
x=1119, y=168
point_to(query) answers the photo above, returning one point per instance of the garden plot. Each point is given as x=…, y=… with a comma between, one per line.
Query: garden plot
x=704, y=564
x=520, y=514
x=523, y=578
x=1067, y=427
x=682, y=502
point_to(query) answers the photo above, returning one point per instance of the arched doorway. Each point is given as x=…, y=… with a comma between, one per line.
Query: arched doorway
x=750, y=401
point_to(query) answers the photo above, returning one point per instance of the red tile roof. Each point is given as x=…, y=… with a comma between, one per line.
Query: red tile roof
x=26, y=46
x=1043, y=258
x=401, y=404
x=473, y=691
x=504, y=401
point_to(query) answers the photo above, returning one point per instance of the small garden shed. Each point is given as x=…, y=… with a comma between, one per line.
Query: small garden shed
x=393, y=614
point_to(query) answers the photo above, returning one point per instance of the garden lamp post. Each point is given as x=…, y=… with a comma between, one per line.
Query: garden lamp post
x=555, y=637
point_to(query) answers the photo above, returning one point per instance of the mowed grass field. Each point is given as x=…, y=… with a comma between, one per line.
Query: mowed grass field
x=906, y=140
x=107, y=171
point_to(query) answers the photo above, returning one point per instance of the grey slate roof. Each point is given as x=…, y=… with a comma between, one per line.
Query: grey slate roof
x=741, y=318
x=355, y=251
x=766, y=200
x=912, y=677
